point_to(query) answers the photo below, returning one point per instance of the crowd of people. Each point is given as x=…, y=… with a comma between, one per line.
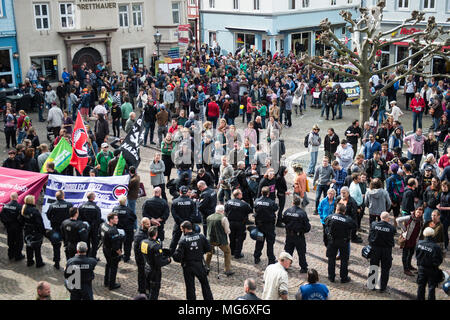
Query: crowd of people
x=238, y=173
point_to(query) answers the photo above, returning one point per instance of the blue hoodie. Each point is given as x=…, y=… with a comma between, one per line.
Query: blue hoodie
x=325, y=209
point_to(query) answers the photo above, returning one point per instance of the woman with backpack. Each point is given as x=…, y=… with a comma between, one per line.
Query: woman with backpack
x=395, y=187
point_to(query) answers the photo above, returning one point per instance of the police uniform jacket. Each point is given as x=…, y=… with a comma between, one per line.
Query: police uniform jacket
x=428, y=254
x=10, y=214
x=208, y=202
x=183, y=208
x=154, y=258
x=74, y=231
x=85, y=264
x=32, y=222
x=155, y=208
x=351, y=209
x=112, y=240
x=140, y=235
x=191, y=248
x=265, y=209
x=58, y=212
x=381, y=234
x=296, y=220
x=126, y=217
x=338, y=228
x=237, y=210
x=90, y=213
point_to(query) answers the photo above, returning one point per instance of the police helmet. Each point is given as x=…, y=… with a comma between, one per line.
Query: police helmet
x=255, y=234
x=184, y=190
x=446, y=287
x=53, y=236
x=196, y=228
x=366, y=251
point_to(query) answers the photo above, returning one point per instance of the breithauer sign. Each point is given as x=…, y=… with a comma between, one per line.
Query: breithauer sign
x=96, y=4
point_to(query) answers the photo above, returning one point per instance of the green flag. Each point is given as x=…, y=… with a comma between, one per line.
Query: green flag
x=60, y=156
x=120, y=166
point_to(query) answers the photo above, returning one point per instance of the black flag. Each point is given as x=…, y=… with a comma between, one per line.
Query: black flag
x=131, y=145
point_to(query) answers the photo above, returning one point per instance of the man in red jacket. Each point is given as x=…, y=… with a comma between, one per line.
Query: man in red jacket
x=213, y=111
x=418, y=106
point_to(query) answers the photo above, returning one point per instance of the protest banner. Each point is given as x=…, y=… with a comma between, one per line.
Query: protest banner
x=60, y=156
x=20, y=181
x=107, y=191
x=131, y=145
x=352, y=90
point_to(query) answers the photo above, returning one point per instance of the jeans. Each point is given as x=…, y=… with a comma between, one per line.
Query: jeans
x=381, y=116
x=224, y=195
x=323, y=109
x=22, y=135
x=116, y=127
x=149, y=126
x=289, y=118
x=427, y=214
x=416, y=157
x=436, y=123
x=417, y=117
x=330, y=106
x=407, y=255
x=40, y=113
x=162, y=132
x=132, y=205
x=338, y=107
x=303, y=102
x=321, y=188
x=312, y=162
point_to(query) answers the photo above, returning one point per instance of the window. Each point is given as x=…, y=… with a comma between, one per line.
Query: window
x=349, y=1
x=212, y=38
x=300, y=43
x=212, y=4
x=291, y=4
x=343, y=31
x=41, y=16
x=385, y=56
x=47, y=66
x=236, y=4
x=305, y=3
x=403, y=4
x=176, y=12
x=320, y=47
x=428, y=4
x=123, y=16
x=245, y=39
x=1, y=8
x=255, y=4
x=281, y=44
x=333, y=2
x=67, y=16
x=137, y=15
x=6, y=71
x=130, y=56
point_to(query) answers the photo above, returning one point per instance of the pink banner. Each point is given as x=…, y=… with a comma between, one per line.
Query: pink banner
x=20, y=181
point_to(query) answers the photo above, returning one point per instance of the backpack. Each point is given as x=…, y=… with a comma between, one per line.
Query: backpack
x=306, y=142
x=282, y=147
x=399, y=188
x=234, y=181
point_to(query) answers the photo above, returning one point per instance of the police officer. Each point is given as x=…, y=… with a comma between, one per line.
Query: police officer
x=92, y=214
x=157, y=210
x=265, y=209
x=429, y=258
x=208, y=202
x=237, y=212
x=338, y=227
x=189, y=253
x=183, y=208
x=297, y=224
x=127, y=220
x=9, y=216
x=86, y=266
x=381, y=239
x=154, y=259
x=57, y=212
x=112, y=244
x=73, y=231
x=140, y=235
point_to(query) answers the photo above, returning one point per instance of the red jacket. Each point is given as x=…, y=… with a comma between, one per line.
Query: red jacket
x=417, y=105
x=213, y=109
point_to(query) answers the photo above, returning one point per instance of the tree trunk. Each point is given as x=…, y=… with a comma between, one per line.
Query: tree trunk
x=365, y=102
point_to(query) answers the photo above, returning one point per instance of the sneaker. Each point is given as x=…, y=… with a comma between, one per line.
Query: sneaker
x=346, y=280
x=115, y=286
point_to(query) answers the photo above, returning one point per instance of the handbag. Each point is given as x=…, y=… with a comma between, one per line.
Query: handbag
x=402, y=240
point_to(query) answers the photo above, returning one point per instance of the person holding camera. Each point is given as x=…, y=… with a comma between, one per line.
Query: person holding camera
x=112, y=249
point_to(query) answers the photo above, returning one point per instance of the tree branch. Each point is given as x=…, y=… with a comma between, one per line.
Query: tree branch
x=418, y=53
x=342, y=73
x=429, y=75
x=404, y=38
x=343, y=47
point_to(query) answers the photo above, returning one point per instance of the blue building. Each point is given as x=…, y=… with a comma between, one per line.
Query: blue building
x=9, y=57
x=273, y=25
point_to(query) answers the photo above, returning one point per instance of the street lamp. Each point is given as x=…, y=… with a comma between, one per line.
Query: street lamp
x=157, y=37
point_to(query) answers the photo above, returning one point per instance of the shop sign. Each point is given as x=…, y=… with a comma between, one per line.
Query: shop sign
x=406, y=31
x=96, y=4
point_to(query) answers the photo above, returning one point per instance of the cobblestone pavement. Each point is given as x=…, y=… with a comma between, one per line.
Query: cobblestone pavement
x=19, y=282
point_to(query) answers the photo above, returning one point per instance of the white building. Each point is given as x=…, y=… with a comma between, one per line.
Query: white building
x=56, y=34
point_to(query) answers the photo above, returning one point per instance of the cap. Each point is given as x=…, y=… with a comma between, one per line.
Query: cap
x=184, y=189
x=285, y=255
x=393, y=102
x=105, y=145
x=428, y=168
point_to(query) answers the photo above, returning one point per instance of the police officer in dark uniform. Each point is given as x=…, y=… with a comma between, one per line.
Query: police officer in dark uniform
x=183, y=208
x=86, y=266
x=381, y=239
x=112, y=244
x=141, y=235
x=338, y=227
x=73, y=231
x=265, y=209
x=429, y=258
x=297, y=224
x=127, y=220
x=9, y=216
x=157, y=210
x=237, y=212
x=154, y=260
x=208, y=202
x=92, y=214
x=57, y=212
x=189, y=253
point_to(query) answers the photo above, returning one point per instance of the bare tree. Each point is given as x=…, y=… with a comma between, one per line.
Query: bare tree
x=368, y=39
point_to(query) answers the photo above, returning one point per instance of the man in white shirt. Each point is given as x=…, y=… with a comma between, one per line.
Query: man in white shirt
x=276, y=278
x=375, y=80
x=396, y=113
x=100, y=109
x=344, y=154
x=55, y=118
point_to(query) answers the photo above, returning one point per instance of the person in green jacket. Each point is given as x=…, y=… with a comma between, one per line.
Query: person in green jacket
x=167, y=147
x=126, y=109
x=102, y=159
x=262, y=110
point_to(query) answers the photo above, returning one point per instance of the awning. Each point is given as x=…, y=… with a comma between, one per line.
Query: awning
x=246, y=29
x=402, y=43
x=310, y=28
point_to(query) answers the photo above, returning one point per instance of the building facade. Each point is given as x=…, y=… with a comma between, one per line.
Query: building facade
x=194, y=21
x=395, y=12
x=64, y=34
x=273, y=25
x=9, y=62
